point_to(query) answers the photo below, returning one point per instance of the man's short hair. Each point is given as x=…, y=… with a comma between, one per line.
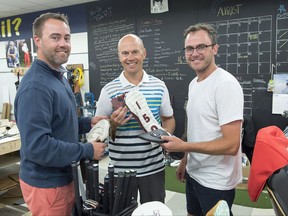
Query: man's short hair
x=203, y=26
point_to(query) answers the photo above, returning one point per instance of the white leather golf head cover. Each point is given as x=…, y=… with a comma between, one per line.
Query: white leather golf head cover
x=137, y=104
x=99, y=132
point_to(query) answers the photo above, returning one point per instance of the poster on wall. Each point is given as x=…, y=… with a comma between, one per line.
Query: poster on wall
x=12, y=55
x=280, y=93
x=18, y=53
x=159, y=6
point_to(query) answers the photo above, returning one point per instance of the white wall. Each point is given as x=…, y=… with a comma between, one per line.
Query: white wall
x=7, y=79
x=79, y=55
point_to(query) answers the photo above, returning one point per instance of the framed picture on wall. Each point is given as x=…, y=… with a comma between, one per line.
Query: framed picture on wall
x=12, y=54
x=18, y=53
x=25, y=52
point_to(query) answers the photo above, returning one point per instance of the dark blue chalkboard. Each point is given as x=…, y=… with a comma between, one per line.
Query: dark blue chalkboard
x=252, y=38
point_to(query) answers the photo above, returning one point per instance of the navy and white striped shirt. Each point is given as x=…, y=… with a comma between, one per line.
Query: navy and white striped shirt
x=128, y=151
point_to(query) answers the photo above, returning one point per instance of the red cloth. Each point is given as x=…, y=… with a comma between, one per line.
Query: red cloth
x=270, y=154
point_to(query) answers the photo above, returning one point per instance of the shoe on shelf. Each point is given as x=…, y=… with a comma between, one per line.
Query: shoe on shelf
x=137, y=104
x=99, y=132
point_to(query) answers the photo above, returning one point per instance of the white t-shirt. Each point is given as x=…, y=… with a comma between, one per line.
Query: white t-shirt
x=213, y=102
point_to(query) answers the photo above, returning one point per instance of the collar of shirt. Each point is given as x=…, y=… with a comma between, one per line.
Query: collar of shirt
x=57, y=73
x=125, y=82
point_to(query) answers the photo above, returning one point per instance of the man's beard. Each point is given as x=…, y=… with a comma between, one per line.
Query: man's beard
x=55, y=59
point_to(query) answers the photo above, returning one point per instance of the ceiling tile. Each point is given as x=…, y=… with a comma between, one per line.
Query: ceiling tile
x=18, y=7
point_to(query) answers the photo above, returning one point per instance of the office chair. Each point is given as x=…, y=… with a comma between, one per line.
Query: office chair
x=277, y=187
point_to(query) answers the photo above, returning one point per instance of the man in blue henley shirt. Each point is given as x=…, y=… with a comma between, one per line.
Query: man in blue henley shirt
x=46, y=115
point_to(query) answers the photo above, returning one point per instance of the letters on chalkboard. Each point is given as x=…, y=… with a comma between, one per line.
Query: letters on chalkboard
x=252, y=37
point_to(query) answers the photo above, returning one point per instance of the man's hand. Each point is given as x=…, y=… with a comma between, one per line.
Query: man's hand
x=99, y=150
x=173, y=144
x=180, y=171
x=96, y=119
x=118, y=116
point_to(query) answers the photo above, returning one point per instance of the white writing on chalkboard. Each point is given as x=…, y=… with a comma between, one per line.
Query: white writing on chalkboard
x=105, y=37
x=162, y=60
x=100, y=13
x=245, y=45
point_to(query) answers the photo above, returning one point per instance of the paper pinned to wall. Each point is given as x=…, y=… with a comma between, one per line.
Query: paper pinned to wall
x=280, y=103
x=280, y=83
x=159, y=6
x=280, y=93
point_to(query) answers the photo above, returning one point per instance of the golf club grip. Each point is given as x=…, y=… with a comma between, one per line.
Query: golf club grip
x=111, y=186
x=106, y=194
x=89, y=189
x=118, y=192
x=85, y=176
x=74, y=166
x=125, y=190
x=96, y=181
x=131, y=188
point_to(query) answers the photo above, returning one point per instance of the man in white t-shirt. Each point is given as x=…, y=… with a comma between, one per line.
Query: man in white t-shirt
x=211, y=167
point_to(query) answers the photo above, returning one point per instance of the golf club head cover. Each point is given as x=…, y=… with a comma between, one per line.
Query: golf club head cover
x=99, y=132
x=118, y=101
x=137, y=104
x=155, y=136
x=177, y=155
